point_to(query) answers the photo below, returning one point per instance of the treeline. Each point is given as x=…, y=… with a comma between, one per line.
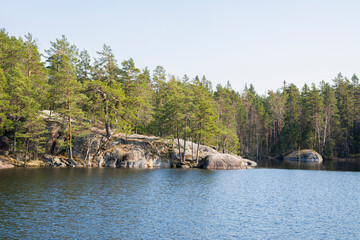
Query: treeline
x=82, y=93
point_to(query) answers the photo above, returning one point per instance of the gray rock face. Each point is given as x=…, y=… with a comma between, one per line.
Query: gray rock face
x=305, y=155
x=131, y=151
x=227, y=161
x=161, y=163
x=109, y=160
x=192, y=147
x=134, y=159
x=54, y=161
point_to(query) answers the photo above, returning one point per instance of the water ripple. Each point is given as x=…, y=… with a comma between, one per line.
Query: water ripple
x=178, y=204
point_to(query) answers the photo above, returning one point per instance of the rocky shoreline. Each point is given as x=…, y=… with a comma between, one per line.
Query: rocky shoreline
x=132, y=151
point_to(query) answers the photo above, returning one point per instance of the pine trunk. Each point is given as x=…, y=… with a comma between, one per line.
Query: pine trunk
x=281, y=145
x=14, y=143
x=70, y=138
x=107, y=124
x=325, y=130
x=224, y=142
x=177, y=135
x=197, y=150
x=26, y=151
x=185, y=140
x=70, y=133
x=192, y=148
x=108, y=130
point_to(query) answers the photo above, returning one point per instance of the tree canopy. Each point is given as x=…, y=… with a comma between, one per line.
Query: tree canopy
x=85, y=92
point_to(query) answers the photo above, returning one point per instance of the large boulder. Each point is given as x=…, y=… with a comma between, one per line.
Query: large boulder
x=305, y=155
x=87, y=145
x=55, y=161
x=113, y=158
x=159, y=162
x=191, y=150
x=134, y=159
x=227, y=161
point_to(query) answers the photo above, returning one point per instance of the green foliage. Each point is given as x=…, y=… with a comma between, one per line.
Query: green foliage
x=225, y=99
x=4, y=102
x=205, y=115
x=83, y=94
x=292, y=134
x=66, y=90
x=83, y=67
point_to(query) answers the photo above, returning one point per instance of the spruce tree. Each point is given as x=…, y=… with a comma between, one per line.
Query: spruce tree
x=292, y=134
x=330, y=116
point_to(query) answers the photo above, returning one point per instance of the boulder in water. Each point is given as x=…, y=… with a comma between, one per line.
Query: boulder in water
x=305, y=155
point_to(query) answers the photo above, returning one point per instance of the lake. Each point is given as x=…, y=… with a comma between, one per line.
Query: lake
x=179, y=204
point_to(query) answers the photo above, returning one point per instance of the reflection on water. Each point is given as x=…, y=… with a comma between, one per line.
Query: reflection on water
x=343, y=165
x=178, y=204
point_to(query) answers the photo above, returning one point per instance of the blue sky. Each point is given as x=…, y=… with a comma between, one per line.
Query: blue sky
x=258, y=42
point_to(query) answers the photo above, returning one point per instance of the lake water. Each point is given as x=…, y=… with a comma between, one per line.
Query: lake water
x=179, y=204
x=341, y=165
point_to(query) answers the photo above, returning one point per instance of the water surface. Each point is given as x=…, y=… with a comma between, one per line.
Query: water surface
x=179, y=204
x=328, y=165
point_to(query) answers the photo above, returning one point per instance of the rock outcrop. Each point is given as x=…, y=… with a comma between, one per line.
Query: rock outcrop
x=93, y=149
x=227, y=161
x=4, y=165
x=139, y=151
x=305, y=155
x=55, y=161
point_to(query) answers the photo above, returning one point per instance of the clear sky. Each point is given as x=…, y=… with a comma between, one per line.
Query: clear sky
x=258, y=42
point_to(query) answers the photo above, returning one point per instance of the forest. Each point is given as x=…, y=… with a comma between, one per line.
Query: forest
x=86, y=92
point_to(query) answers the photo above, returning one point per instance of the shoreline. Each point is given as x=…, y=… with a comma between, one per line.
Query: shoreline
x=7, y=162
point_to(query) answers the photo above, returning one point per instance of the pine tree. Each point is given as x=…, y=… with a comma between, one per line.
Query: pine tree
x=159, y=86
x=106, y=93
x=145, y=94
x=21, y=93
x=66, y=90
x=4, y=103
x=35, y=70
x=135, y=91
x=10, y=51
x=83, y=67
x=226, y=103
x=204, y=113
x=172, y=111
